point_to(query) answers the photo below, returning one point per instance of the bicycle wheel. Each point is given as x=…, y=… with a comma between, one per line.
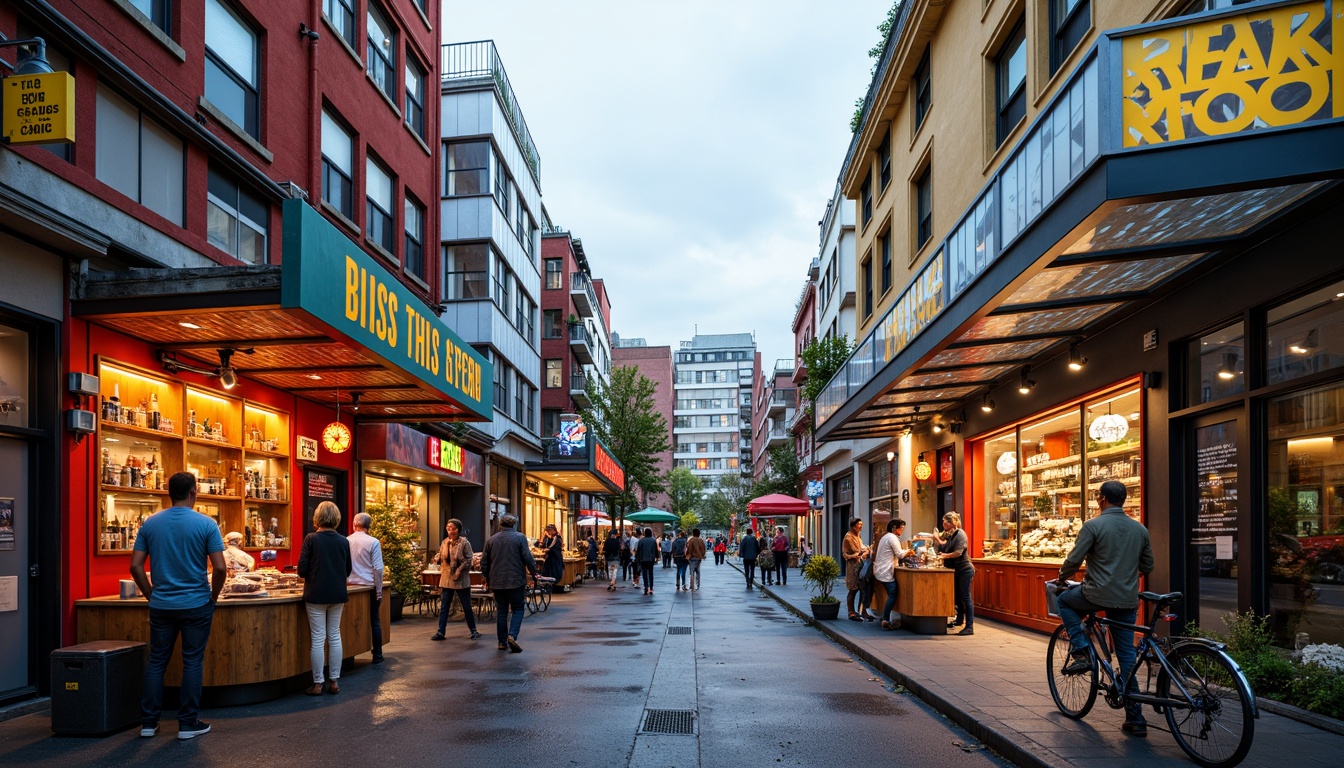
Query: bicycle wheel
x=533, y=602
x=1216, y=728
x=545, y=597
x=1075, y=694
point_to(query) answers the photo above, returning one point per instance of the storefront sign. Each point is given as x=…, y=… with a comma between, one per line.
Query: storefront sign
x=815, y=488
x=1266, y=68
x=916, y=308
x=326, y=275
x=572, y=439
x=40, y=109
x=307, y=449
x=445, y=455
x=605, y=464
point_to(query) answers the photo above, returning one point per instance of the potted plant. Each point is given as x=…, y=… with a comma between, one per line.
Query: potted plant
x=820, y=574
x=396, y=528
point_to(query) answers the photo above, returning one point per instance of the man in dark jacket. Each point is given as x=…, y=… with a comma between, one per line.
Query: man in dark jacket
x=647, y=555
x=611, y=553
x=506, y=562
x=767, y=571
x=749, y=549
x=679, y=559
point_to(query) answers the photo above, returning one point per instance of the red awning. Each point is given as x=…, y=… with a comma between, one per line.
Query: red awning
x=776, y=504
x=594, y=513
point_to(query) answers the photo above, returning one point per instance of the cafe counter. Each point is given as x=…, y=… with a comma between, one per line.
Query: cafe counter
x=924, y=599
x=258, y=647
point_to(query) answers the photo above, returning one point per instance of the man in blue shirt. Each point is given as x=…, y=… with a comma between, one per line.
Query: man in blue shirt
x=177, y=542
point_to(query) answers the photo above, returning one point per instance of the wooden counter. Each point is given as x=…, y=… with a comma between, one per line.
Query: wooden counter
x=258, y=647
x=925, y=597
x=1013, y=591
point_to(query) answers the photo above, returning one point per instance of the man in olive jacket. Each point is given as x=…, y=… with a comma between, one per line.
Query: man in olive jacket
x=506, y=562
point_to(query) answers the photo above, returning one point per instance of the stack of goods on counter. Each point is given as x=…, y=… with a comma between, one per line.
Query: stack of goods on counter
x=1053, y=538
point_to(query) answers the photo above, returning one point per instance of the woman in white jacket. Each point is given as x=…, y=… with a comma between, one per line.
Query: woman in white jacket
x=888, y=553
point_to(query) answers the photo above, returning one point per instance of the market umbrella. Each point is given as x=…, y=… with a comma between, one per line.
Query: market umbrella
x=776, y=505
x=589, y=522
x=654, y=515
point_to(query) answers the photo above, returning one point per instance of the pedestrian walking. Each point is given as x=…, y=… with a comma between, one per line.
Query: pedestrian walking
x=953, y=552
x=766, y=559
x=749, y=550
x=366, y=561
x=506, y=562
x=720, y=550
x=455, y=578
x=634, y=553
x=854, y=554
x=665, y=545
x=611, y=553
x=889, y=553
x=679, y=558
x=695, y=555
x=626, y=556
x=804, y=552
x=779, y=549
x=647, y=555
x=591, y=554
x=324, y=565
x=178, y=541
x=553, y=566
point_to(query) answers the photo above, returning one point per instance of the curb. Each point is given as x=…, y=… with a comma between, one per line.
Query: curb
x=1005, y=745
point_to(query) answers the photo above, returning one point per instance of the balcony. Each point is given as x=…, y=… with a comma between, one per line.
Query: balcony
x=778, y=436
x=582, y=293
x=581, y=344
x=478, y=60
x=779, y=401
x=578, y=388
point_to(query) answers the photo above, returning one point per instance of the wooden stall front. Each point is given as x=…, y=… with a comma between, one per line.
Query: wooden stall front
x=258, y=647
x=924, y=598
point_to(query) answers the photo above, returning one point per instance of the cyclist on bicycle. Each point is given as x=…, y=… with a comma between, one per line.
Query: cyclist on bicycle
x=1116, y=549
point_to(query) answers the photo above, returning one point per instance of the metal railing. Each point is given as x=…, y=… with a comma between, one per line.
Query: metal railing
x=578, y=281
x=578, y=332
x=479, y=59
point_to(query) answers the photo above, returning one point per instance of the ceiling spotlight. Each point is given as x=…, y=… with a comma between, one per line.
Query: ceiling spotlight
x=1076, y=359
x=987, y=405
x=228, y=376
x=1306, y=345
x=1025, y=384
x=354, y=401
x=192, y=326
x=1228, y=369
x=937, y=428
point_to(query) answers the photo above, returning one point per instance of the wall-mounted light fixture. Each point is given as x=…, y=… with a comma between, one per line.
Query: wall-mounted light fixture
x=1025, y=383
x=987, y=405
x=1228, y=369
x=1076, y=359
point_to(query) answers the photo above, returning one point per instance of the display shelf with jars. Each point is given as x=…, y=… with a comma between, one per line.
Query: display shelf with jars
x=265, y=431
x=266, y=479
x=213, y=418
x=135, y=400
x=136, y=459
x=266, y=526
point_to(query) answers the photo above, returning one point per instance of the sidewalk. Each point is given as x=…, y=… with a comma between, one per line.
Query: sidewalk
x=993, y=684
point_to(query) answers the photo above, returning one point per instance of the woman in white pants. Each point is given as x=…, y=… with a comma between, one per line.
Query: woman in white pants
x=324, y=564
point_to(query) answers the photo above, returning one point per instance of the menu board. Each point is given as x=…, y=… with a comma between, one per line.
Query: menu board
x=319, y=486
x=1213, y=532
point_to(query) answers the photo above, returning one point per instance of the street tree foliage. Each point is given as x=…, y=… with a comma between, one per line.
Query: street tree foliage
x=728, y=501
x=781, y=472
x=688, y=521
x=822, y=358
x=624, y=418
x=685, y=491
x=875, y=53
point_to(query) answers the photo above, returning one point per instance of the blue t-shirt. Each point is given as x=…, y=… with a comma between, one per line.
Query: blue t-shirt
x=179, y=542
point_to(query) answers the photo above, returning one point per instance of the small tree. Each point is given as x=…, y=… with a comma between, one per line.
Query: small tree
x=688, y=521
x=396, y=528
x=684, y=491
x=820, y=574
x=624, y=418
x=822, y=358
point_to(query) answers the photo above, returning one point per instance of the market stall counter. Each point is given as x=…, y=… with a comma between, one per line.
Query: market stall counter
x=924, y=598
x=258, y=647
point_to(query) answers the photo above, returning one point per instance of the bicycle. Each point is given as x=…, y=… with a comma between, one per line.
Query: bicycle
x=538, y=595
x=1209, y=707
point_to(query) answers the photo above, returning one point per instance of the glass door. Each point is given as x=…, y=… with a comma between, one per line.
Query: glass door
x=1213, y=519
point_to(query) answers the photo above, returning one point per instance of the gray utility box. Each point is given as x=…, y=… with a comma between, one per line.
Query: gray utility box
x=95, y=687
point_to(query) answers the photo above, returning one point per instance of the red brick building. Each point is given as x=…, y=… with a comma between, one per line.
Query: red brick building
x=575, y=318
x=655, y=364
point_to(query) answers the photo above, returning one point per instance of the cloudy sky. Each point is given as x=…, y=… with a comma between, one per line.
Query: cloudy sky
x=691, y=144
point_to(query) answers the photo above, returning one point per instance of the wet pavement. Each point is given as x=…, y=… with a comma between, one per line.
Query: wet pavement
x=994, y=684
x=753, y=683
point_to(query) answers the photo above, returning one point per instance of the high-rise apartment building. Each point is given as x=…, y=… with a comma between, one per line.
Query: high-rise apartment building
x=711, y=424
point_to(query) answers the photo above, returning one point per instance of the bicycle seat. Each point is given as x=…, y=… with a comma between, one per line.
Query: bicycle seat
x=1153, y=597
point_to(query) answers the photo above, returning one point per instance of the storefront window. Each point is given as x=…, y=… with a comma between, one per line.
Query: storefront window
x=1215, y=365
x=13, y=377
x=403, y=495
x=1033, y=492
x=1306, y=335
x=1306, y=515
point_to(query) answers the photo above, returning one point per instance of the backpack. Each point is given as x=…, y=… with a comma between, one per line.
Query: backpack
x=679, y=549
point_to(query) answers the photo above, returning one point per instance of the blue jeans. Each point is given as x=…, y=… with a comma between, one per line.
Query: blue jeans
x=463, y=597
x=193, y=624
x=681, y=571
x=1073, y=607
x=890, y=586
x=509, y=612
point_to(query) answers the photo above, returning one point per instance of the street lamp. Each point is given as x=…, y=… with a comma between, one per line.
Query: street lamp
x=891, y=480
x=34, y=62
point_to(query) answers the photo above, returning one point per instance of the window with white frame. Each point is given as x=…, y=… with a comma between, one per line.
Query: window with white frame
x=415, y=96
x=341, y=15
x=338, y=166
x=138, y=157
x=414, y=253
x=232, y=79
x=236, y=221
x=382, y=52
x=378, y=193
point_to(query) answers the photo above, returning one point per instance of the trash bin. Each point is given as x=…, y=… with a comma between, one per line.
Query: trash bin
x=95, y=687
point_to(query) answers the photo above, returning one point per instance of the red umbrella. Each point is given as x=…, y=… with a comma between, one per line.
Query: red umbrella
x=777, y=505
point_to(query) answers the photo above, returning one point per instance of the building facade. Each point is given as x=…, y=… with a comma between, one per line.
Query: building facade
x=712, y=414
x=1129, y=290
x=775, y=403
x=655, y=364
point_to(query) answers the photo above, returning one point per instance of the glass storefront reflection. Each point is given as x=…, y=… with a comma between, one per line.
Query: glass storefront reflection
x=1213, y=532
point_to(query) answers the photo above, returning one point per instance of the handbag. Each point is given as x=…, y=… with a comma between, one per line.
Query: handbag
x=866, y=570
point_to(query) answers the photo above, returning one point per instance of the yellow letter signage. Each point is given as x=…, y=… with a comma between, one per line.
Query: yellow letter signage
x=40, y=109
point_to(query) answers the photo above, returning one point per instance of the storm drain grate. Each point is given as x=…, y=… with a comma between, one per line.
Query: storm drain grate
x=678, y=630
x=668, y=721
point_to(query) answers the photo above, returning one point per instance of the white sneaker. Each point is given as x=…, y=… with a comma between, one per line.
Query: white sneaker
x=149, y=731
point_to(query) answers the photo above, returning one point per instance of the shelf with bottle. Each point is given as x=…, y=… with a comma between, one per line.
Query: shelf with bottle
x=266, y=479
x=135, y=399
x=129, y=458
x=213, y=418
x=121, y=512
x=265, y=527
x=266, y=431
x=218, y=469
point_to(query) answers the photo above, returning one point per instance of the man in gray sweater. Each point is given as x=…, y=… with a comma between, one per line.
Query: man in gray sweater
x=506, y=562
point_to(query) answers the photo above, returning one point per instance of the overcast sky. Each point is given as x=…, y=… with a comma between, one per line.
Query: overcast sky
x=691, y=144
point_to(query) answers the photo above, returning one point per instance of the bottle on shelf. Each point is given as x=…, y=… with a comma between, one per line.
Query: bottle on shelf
x=191, y=423
x=155, y=417
x=114, y=404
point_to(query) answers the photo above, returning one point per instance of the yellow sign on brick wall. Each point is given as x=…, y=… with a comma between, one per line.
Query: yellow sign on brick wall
x=1266, y=68
x=39, y=109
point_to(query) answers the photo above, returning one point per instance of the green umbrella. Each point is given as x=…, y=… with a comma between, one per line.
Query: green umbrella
x=652, y=515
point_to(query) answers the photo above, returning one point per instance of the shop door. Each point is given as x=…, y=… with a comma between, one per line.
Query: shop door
x=1215, y=511
x=14, y=629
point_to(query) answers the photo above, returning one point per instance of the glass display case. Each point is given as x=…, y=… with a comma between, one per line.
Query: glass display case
x=1041, y=476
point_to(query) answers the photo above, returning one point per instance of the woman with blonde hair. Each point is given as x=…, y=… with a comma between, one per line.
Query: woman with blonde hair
x=324, y=564
x=954, y=554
